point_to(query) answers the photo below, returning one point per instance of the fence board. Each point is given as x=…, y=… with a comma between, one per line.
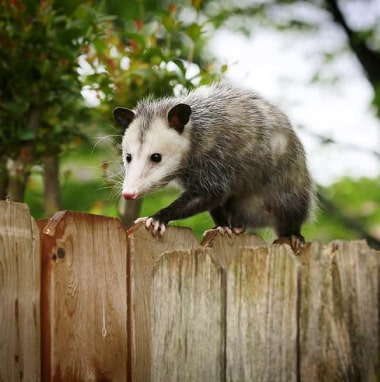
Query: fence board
x=340, y=313
x=188, y=311
x=19, y=294
x=84, y=297
x=144, y=250
x=225, y=247
x=126, y=306
x=262, y=315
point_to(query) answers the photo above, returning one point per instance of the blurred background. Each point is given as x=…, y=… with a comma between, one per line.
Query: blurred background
x=65, y=64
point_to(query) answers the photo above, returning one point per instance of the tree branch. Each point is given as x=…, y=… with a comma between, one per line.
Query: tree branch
x=349, y=222
x=326, y=140
x=368, y=58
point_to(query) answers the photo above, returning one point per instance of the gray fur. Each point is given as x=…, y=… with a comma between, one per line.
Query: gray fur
x=244, y=155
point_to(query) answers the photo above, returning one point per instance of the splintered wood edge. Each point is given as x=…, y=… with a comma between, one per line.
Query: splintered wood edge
x=170, y=230
x=134, y=228
x=209, y=238
x=213, y=234
x=53, y=222
x=341, y=245
x=49, y=226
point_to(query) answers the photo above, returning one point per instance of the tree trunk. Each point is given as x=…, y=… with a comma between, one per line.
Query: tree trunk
x=3, y=179
x=51, y=185
x=19, y=168
x=18, y=173
x=368, y=58
x=129, y=211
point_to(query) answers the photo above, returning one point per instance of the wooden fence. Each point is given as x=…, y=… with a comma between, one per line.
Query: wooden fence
x=81, y=299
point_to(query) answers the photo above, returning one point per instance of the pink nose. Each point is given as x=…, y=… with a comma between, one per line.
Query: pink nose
x=129, y=195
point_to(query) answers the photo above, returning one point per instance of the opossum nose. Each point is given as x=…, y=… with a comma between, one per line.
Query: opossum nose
x=129, y=195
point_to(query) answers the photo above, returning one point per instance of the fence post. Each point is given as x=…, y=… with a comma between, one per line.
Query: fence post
x=279, y=317
x=225, y=248
x=262, y=315
x=127, y=306
x=188, y=318
x=19, y=294
x=144, y=250
x=340, y=313
x=84, y=298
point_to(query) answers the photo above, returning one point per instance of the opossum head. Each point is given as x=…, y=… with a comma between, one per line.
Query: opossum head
x=154, y=148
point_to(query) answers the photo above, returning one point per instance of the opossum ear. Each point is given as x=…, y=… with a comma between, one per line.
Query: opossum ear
x=123, y=116
x=178, y=116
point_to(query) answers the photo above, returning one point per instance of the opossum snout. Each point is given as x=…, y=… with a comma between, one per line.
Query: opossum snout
x=130, y=195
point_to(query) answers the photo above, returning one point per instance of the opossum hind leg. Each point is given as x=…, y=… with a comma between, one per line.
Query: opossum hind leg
x=224, y=222
x=289, y=232
x=296, y=242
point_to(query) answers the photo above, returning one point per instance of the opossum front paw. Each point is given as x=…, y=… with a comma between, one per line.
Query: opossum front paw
x=156, y=226
x=152, y=224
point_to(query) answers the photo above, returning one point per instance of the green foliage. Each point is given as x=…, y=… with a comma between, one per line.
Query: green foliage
x=148, y=52
x=376, y=100
x=146, y=48
x=353, y=210
x=40, y=98
x=299, y=16
x=132, y=49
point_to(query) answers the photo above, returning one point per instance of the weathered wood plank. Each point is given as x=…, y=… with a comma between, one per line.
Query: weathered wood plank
x=188, y=311
x=221, y=313
x=262, y=313
x=19, y=294
x=225, y=247
x=340, y=313
x=84, y=299
x=144, y=250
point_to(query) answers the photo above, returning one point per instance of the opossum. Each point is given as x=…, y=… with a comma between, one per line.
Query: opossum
x=231, y=152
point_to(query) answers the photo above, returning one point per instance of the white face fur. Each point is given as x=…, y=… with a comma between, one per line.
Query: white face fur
x=149, y=162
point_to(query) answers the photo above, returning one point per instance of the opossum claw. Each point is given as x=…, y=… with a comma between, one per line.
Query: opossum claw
x=162, y=228
x=224, y=230
x=150, y=223
x=158, y=227
x=295, y=242
x=141, y=220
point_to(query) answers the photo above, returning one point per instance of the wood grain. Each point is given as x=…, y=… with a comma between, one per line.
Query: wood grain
x=187, y=318
x=127, y=306
x=340, y=313
x=19, y=294
x=225, y=247
x=262, y=312
x=84, y=299
x=144, y=250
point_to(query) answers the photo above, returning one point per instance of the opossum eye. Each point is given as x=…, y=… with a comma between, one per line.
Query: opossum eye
x=156, y=158
x=128, y=158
